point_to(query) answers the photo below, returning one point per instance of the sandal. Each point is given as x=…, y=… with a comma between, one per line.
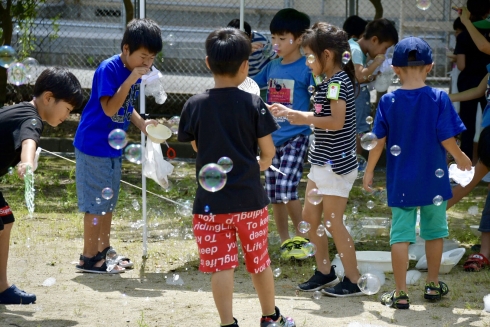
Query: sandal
x=389, y=299
x=476, y=262
x=89, y=266
x=439, y=290
x=119, y=259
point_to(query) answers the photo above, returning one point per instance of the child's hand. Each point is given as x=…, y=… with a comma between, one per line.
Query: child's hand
x=264, y=164
x=22, y=167
x=278, y=110
x=257, y=46
x=148, y=122
x=463, y=162
x=297, y=117
x=138, y=72
x=464, y=14
x=367, y=181
x=380, y=58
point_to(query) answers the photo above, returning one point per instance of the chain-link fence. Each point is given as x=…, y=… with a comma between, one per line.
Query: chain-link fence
x=79, y=34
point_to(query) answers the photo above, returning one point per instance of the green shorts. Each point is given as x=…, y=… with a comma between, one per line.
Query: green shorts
x=433, y=223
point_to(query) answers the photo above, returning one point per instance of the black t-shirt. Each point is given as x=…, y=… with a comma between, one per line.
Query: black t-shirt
x=475, y=60
x=227, y=122
x=17, y=123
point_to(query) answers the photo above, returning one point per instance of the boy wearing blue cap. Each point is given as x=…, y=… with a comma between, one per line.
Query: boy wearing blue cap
x=418, y=124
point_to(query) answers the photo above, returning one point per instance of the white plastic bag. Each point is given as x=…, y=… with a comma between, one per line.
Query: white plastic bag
x=154, y=166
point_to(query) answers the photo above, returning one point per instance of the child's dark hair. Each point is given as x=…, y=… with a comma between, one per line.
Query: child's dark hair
x=235, y=23
x=63, y=84
x=289, y=20
x=458, y=25
x=226, y=49
x=324, y=36
x=354, y=26
x=484, y=147
x=143, y=33
x=383, y=29
x=478, y=9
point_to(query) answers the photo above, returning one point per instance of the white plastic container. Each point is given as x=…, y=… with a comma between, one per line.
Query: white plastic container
x=380, y=260
x=418, y=248
x=449, y=259
x=159, y=133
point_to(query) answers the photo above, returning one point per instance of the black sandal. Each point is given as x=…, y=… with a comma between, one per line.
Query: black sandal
x=89, y=266
x=389, y=299
x=439, y=290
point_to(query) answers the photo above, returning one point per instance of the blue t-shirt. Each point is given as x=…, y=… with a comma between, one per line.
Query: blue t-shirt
x=92, y=133
x=417, y=121
x=287, y=84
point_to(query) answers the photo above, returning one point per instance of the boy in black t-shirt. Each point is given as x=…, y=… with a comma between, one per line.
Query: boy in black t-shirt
x=56, y=93
x=227, y=122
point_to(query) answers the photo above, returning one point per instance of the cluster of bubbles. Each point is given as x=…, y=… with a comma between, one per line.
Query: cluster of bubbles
x=18, y=73
x=423, y=4
x=212, y=177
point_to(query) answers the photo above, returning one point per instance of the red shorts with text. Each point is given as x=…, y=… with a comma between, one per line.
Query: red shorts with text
x=216, y=237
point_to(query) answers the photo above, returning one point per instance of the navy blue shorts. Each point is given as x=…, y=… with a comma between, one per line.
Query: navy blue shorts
x=6, y=215
x=485, y=216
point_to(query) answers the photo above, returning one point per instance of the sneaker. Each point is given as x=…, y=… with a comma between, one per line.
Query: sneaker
x=281, y=321
x=294, y=248
x=235, y=324
x=345, y=288
x=433, y=292
x=13, y=295
x=319, y=281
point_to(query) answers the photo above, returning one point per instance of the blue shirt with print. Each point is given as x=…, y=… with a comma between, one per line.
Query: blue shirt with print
x=92, y=134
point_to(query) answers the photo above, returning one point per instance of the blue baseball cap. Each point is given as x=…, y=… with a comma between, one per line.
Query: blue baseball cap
x=405, y=46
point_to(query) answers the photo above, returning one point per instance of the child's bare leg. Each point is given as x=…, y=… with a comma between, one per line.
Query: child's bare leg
x=264, y=286
x=485, y=244
x=91, y=232
x=222, y=287
x=104, y=231
x=399, y=261
x=280, y=212
x=4, y=255
x=342, y=238
x=433, y=251
x=295, y=212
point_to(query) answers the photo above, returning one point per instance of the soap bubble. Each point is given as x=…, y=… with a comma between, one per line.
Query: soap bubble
x=395, y=79
x=136, y=205
x=361, y=162
x=345, y=57
x=275, y=48
x=171, y=40
x=332, y=215
x=225, y=163
x=369, y=141
x=369, y=284
x=328, y=224
x=97, y=200
x=7, y=56
x=395, y=150
x=314, y=197
x=437, y=200
x=212, y=177
x=354, y=210
x=34, y=122
x=107, y=193
x=317, y=295
x=303, y=227
x=473, y=210
x=370, y=204
x=16, y=74
x=310, y=248
x=277, y=272
x=310, y=58
x=439, y=173
x=369, y=120
x=423, y=4
x=16, y=29
x=117, y=139
x=174, y=124
x=133, y=153
x=311, y=89
x=32, y=66
x=95, y=221
x=392, y=99
x=320, y=231
x=263, y=111
x=206, y=208
x=285, y=200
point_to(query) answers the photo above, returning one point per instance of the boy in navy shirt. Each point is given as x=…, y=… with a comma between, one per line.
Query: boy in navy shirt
x=115, y=89
x=417, y=124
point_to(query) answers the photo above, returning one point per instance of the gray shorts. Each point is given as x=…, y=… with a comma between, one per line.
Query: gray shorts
x=363, y=110
x=485, y=216
x=93, y=174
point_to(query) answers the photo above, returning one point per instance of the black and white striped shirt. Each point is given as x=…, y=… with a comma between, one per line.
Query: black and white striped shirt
x=337, y=148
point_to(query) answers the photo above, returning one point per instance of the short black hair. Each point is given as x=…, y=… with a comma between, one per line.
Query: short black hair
x=290, y=20
x=235, y=23
x=354, y=26
x=383, y=29
x=478, y=9
x=227, y=48
x=143, y=33
x=62, y=83
x=458, y=25
x=484, y=147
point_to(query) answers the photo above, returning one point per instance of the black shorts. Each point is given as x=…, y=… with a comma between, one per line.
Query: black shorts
x=6, y=215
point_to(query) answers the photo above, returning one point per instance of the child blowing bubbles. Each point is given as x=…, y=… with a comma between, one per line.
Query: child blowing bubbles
x=422, y=123
x=332, y=155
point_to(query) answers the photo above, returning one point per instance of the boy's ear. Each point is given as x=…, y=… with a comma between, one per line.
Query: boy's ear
x=397, y=70
x=125, y=49
x=428, y=68
x=244, y=67
x=207, y=63
x=46, y=96
x=374, y=39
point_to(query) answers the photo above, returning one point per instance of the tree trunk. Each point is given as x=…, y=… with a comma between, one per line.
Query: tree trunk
x=378, y=7
x=128, y=7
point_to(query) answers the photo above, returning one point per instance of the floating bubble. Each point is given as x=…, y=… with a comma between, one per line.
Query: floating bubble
x=328, y=224
x=107, y=193
x=117, y=139
x=225, y=163
x=345, y=57
x=171, y=40
x=34, y=122
x=174, y=124
x=285, y=200
x=392, y=99
x=314, y=197
x=133, y=153
x=354, y=210
x=275, y=48
x=310, y=248
x=97, y=200
x=423, y=4
x=437, y=200
x=263, y=111
x=370, y=204
x=277, y=272
x=212, y=177
x=341, y=255
x=369, y=141
x=395, y=150
x=320, y=231
x=361, y=163
x=395, y=79
x=206, y=208
x=369, y=120
x=136, y=205
x=32, y=66
x=303, y=227
x=95, y=221
x=439, y=173
x=369, y=284
x=7, y=56
x=311, y=89
x=317, y=295
x=111, y=259
x=103, y=213
x=332, y=215
x=16, y=74
x=11, y=170
x=473, y=210
x=310, y=58
x=325, y=261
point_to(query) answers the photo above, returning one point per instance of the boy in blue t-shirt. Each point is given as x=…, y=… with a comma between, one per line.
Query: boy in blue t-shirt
x=111, y=106
x=417, y=124
x=287, y=79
